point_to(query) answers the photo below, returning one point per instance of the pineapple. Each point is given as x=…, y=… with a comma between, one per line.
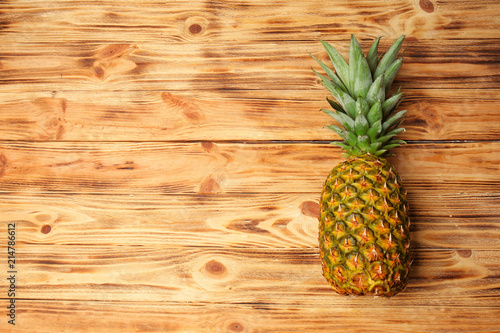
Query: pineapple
x=363, y=225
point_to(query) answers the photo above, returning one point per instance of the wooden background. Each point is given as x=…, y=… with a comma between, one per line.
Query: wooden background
x=163, y=162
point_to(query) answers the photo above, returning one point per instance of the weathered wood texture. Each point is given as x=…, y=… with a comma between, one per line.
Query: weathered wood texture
x=163, y=162
x=440, y=220
x=207, y=167
x=234, y=276
x=88, y=316
x=234, y=71
x=244, y=115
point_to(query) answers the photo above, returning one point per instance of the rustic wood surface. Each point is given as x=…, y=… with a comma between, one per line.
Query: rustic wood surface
x=162, y=162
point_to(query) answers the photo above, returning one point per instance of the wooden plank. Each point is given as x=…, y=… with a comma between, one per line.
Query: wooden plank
x=200, y=67
x=439, y=220
x=232, y=115
x=107, y=63
x=57, y=316
x=210, y=168
x=201, y=275
x=265, y=20
x=37, y=55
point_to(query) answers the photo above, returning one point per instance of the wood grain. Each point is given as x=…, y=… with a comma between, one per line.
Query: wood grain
x=439, y=220
x=185, y=88
x=195, y=274
x=169, y=67
x=163, y=162
x=261, y=20
x=211, y=168
x=88, y=316
x=231, y=115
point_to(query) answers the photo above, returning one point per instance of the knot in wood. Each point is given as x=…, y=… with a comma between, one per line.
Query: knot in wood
x=3, y=164
x=310, y=208
x=196, y=25
x=427, y=6
x=236, y=327
x=209, y=186
x=464, y=253
x=45, y=229
x=215, y=268
x=195, y=28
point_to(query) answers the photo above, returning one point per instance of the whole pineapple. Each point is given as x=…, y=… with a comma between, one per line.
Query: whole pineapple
x=363, y=225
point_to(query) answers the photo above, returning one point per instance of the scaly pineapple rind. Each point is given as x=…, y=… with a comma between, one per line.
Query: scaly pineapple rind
x=364, y=228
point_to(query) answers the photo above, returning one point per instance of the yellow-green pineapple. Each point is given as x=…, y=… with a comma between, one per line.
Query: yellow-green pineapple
x=364, y=233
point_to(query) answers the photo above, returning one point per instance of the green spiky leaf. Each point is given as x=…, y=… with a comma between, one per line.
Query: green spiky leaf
x=375, y=113
x=385, y=138
x=322, y=77
x=360, y=76
x=372, y=56
x=333, y=77
x=336, y=106
x=343, y=98
x=375, y=130
x=392, y=119
x=363, y=142
x=362, y=106
x=355, y=151
x=388, y=57
x=361, y=125
x=338, y=62
x=342, y=145
x=393, y=144
x=374, y=147
x=342, y=133
x=390, y=73
x=352, y=139
x=395, y=131
x=391, y=103
x=376, y=91
x=342, y=119
x=365, y=117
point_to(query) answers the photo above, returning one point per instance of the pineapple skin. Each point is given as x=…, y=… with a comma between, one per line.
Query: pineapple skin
x=364, y=229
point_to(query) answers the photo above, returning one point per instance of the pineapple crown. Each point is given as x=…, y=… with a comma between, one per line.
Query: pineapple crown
x=361, y=89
